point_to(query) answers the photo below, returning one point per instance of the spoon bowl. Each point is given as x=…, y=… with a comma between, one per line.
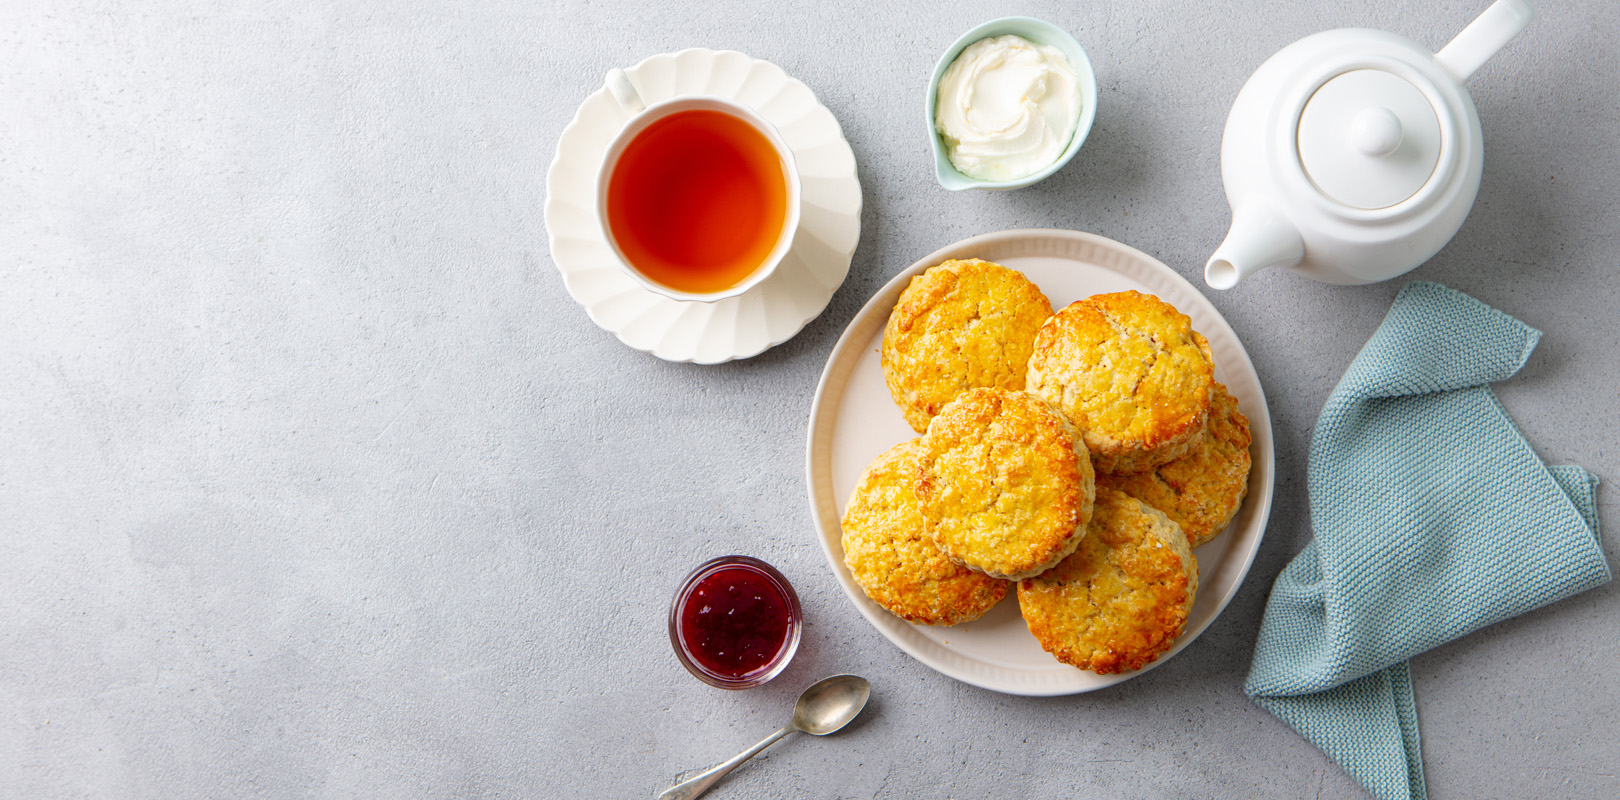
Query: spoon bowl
x=828, y=705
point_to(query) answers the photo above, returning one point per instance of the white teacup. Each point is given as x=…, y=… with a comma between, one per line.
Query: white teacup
x=618, y=85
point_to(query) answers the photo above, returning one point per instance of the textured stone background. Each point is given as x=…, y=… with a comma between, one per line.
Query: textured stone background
x=315, y=483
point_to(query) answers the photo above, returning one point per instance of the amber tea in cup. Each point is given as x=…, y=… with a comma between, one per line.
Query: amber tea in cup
x=699, y=199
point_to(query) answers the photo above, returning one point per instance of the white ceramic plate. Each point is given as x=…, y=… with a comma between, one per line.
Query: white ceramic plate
x=853, y=420
x=762, y=317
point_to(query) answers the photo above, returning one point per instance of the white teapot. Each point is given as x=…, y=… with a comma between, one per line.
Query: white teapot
x=1354, y=155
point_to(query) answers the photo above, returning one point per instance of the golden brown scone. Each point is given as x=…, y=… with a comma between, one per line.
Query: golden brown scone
x=960, y=325
x=1122, y=598
x=1203, y=489
x=896, y=565
x=1004, y=483
x=1131, y=373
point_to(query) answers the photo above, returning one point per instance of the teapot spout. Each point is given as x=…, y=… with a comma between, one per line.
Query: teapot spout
x=1258, y=239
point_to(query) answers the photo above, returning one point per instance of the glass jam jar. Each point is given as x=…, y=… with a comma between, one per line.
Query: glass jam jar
x=735, y=622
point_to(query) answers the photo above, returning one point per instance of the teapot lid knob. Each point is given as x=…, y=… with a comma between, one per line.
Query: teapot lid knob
x=1376, y=132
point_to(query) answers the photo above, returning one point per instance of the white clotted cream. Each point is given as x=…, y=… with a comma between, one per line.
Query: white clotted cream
x=1006, y=108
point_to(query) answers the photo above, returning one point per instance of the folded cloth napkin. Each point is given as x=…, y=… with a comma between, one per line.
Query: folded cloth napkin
x=1433, y=518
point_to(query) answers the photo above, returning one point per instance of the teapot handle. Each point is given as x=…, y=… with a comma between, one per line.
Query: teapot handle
x=1484, y=36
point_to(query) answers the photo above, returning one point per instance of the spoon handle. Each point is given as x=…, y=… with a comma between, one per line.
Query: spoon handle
x=700, y=783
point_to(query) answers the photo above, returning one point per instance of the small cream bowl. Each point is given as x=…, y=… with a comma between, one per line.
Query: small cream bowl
x=1039, y=32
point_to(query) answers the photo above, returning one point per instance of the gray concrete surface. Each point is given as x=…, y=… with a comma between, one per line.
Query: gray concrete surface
x=315, y=483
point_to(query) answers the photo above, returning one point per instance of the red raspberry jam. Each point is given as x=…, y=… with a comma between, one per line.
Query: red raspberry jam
x=735, y=622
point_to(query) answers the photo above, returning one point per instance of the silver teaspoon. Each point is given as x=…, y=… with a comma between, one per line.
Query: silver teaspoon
x=825, y=707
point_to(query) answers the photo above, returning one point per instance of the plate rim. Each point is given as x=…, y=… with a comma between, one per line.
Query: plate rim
x=819, y=432
x=555, y=176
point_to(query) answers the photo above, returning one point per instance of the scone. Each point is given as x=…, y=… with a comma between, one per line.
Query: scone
x=1131, y=373
x=1004, y=483
x=960, y=325
x=1122, y=598
x=895, y=564
x=1203, y=489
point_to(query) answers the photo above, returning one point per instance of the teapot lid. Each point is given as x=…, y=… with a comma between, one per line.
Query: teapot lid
x=1369, y=139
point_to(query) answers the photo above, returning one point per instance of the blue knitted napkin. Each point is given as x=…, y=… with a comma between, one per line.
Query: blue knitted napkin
x=1433, y=518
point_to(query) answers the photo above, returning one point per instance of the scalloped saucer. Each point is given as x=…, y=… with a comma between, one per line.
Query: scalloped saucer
x=764, y=316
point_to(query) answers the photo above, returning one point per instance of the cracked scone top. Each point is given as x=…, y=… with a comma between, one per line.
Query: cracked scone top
x=1122, y=598
x=1004, y=483
x=898, y=566
x=1203, y=489
x=960, y=325
x=1131, y=373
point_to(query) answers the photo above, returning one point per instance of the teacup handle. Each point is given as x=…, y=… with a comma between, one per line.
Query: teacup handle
x=624, y=92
